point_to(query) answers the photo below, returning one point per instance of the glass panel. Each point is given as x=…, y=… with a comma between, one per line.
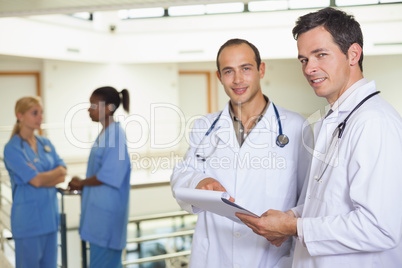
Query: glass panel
x=307, y=3
x=144, y=13
x=186, y=10
x=82, y=15
x=224, y=8
x=123, y=14
x=268, y=5
x=355, y=2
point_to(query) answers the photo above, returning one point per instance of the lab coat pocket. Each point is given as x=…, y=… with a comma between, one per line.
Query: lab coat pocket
x=25, y=219
x=98, y=223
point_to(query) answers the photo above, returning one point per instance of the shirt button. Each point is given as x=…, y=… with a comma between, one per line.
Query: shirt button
x=317, y=155
x=237, y=234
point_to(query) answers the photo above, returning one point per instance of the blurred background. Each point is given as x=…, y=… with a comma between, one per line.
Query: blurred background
x=163, y=52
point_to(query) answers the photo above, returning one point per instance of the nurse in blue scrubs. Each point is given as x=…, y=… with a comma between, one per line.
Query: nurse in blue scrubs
x=34, y=168
x=105, y=191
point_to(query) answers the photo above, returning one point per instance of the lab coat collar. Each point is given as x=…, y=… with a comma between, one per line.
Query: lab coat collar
x=353, y=96
x=225, y=131
x=268, y=123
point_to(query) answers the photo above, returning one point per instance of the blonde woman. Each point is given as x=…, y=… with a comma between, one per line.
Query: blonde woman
x=34, y=168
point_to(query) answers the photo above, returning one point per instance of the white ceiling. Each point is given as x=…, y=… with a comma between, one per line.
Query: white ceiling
x=15, y=8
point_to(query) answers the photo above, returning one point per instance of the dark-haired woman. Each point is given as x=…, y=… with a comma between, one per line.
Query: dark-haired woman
x=105, y=195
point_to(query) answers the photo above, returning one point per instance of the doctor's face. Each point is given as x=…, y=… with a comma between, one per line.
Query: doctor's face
x=239, y=74
x=325, y=67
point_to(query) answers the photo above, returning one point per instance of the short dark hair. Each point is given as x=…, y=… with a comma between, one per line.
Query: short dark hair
x=344, y=29
x=237, y=41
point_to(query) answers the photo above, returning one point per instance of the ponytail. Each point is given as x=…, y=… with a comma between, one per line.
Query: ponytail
x=111, y=96
x=16, y=129
x=125, y=100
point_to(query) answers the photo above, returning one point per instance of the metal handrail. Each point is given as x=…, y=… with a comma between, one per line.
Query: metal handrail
x=133, y=220
x=159, y=236
x=159, y=216
x=158, y=258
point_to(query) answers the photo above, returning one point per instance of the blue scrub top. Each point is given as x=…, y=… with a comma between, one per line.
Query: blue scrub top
x=34, y=210
x=104, y=208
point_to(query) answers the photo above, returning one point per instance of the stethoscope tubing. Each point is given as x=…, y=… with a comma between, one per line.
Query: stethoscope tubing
x=341, y=128
x=46, y=148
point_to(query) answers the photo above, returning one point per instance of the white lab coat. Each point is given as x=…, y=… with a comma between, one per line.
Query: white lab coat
x=353, y=217
x=259, y=175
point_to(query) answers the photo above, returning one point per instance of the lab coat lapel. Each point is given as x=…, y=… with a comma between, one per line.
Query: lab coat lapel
x=325, y=127
x=225, y=131
x=267, y=124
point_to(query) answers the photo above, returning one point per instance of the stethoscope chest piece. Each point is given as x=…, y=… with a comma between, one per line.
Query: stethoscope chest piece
x=282, y=140
x=47, y=148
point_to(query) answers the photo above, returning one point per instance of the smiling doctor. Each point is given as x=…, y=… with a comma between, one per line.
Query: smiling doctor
x=254, y=151
x=352, y=214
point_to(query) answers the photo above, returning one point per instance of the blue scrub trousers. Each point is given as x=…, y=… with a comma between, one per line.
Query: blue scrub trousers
x=100, y=257
x=36, y=252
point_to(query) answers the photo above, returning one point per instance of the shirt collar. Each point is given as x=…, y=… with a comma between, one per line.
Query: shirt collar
x=234, y=118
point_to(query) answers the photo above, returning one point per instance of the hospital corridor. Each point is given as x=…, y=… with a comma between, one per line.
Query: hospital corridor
x=160, y=59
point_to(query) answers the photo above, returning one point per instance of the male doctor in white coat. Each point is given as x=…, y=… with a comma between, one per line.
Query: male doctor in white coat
x=236, y=151
x=352, y=214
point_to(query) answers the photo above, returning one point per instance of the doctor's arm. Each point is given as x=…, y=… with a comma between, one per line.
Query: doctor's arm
x=276, y=226
x=189, y=173
x=77, y=183
x=49, y=178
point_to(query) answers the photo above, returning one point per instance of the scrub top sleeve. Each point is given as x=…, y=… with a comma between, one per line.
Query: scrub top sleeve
x=115, y=163
x=18, y=166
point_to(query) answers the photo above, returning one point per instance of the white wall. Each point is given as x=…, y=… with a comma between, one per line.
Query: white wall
x=67, y=87
x=386, y=70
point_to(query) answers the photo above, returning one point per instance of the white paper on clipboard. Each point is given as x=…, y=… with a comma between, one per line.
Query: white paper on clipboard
x=213, y=201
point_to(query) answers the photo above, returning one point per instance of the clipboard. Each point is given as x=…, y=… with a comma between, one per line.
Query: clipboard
x=212, y=201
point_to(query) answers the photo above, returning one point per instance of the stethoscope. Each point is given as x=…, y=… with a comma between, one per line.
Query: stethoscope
x=337, y=134
x=46, y=148
x=281, y=140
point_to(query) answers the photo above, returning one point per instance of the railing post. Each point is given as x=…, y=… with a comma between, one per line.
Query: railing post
x=63, y=232
x=84, y=253
x=1, y=209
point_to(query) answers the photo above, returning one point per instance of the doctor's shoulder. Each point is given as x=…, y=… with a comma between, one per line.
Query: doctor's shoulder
x=13, y=144
x=205, y=122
